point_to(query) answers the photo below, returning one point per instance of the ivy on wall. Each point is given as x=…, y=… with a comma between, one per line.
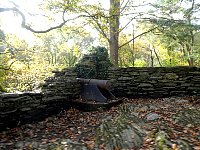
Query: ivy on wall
x=95, y=64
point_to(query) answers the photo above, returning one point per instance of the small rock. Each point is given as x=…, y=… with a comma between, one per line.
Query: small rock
x=82, y=119
x=180, y=101
x=19, y=144
x=152, y=116
x=35, y=145
x=28, y=144
x=72, y=129
x=29, y=126
x=145, y=85
x=108, y=117
x=131, y=139
x=79, y=132
x=189, y=125
x=198, y=136
x=64, y=143
x=169, y=99
x=152, y=107
x=135, y=114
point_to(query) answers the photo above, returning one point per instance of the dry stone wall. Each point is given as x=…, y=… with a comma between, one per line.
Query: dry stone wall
x=62, y=84
x=155, y=82
x=59, y=90
x=16, y=108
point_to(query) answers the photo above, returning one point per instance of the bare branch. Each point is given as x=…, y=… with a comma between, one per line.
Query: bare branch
x=125, y=6
x=129, y=23
x=137, y=36
x=157, y=56
x=3, y=53
x=3, y=68
x=140, y=5
x=24, y=25
x=101, y=30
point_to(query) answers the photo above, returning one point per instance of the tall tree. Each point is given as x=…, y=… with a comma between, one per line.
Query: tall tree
x=177, y=23
x=106, y=21
x=114, y=30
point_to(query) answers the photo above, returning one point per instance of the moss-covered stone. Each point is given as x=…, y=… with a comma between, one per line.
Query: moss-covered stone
x=188, y=116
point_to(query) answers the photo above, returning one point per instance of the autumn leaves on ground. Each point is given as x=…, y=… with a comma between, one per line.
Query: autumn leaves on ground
x=166, y=123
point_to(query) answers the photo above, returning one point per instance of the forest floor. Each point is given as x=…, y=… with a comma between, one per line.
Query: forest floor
x=167, y=123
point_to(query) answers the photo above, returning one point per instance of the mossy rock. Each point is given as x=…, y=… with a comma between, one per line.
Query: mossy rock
x=188, y=116
x=121, y=132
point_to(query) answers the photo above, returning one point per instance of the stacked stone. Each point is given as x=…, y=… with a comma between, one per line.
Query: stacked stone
x=62, y=86
x=15, y=108
x=156, y=82
x=57, y=92
x=60, y=90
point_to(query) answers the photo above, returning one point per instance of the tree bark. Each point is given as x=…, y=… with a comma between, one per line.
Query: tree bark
x=190, y=58
x=157, y=56
x=133, y=51
x=114, y=30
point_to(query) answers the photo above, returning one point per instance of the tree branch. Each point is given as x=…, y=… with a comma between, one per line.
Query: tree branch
x=24, y=25
x=98, y=24
x=128, y=23
x=157, y=56
x=3, y=68
x=137, y=36
x=124, y=6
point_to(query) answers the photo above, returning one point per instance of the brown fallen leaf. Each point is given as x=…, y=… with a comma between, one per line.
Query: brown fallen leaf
x=90, y=144
x=174, y=147
x=197, y=147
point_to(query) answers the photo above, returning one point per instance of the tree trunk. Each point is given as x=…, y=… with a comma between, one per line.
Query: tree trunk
x=114, y=30
x=190, y=58
x=113, y=46
x=151, y=53
x=157, y=56
x=133, y=51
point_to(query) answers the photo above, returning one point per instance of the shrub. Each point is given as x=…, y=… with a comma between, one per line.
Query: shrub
x=95, y=64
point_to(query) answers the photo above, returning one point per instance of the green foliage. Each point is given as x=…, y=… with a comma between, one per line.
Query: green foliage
x=65, y=46
x=33, y=64
x=140, y=63
x=70, y=5
x=177, y=34
x=27, y=78
x=4, y=62
x=2, y=89
x=86, y=67
x=3, y=74
x=95, y=64
x=2, y=78
x=70, y=59
x=23, y=68
x=161, y=141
